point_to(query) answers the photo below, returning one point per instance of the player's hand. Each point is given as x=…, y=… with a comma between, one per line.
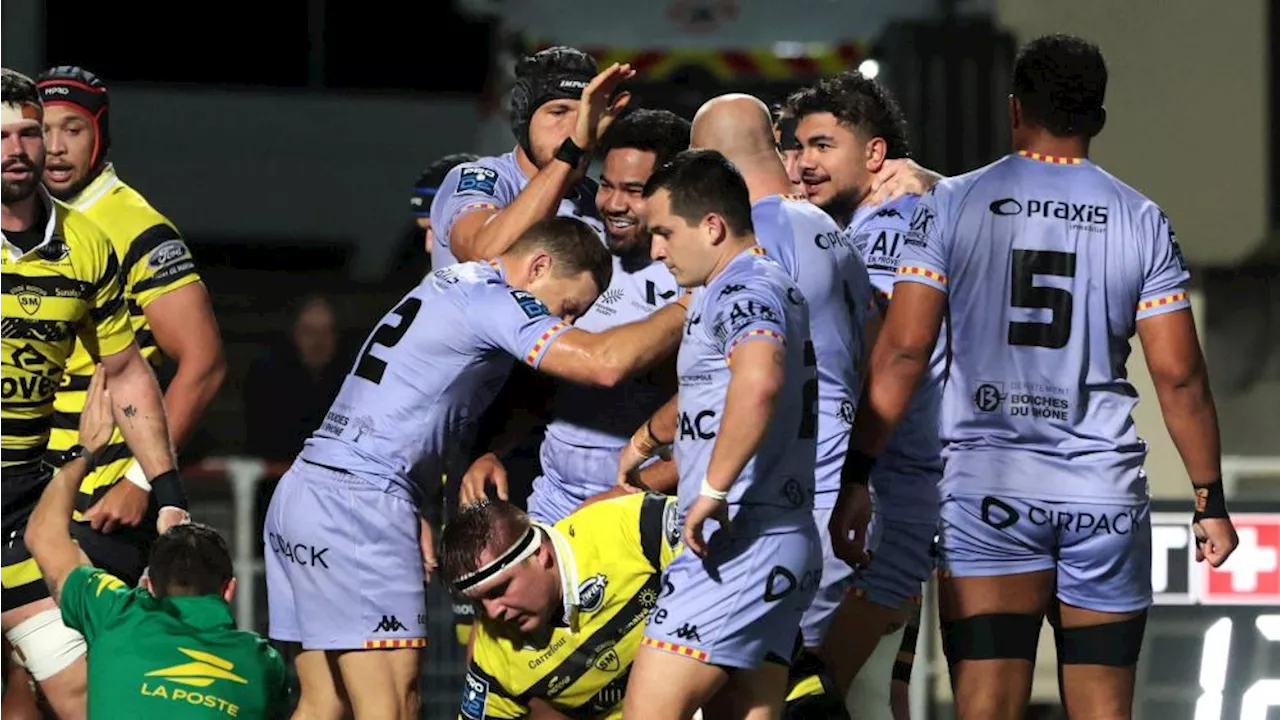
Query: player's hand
x=486, y=470
x=702, y=509
x=427, y=539
x=1215, y=540
x=900, y=700
x=629, y=462
x=169, y=517
x=124, y=504
x=96, y=420
x=848, y=526
x=599, y=106
x=897, y=178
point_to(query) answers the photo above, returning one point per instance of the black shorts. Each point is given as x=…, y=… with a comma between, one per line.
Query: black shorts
x=21, y=490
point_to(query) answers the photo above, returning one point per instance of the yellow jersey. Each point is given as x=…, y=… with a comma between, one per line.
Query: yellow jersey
x=154, y=260
x=611, y=555
x=65, y=288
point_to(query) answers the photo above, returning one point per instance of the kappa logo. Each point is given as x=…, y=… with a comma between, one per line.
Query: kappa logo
x=687, y=632
x=29, y=298
x=390, y=623
x=731, y=289
x=591, y=593
x=204, y=670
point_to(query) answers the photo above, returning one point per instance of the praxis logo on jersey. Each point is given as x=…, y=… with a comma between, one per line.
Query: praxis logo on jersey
x=1251, y=576
x=1082, y=216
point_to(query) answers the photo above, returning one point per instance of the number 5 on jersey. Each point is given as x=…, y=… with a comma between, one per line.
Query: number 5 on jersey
x=1025, y=293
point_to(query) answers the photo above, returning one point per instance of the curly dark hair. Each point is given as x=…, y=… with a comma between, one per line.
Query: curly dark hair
x=860, y=104
x=660, y=132
x=1061, y=83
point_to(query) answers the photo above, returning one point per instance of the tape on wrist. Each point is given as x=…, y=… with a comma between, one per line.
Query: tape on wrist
x=709, y=492
x=1211, y=501
x=135, y=475
x=167, y=490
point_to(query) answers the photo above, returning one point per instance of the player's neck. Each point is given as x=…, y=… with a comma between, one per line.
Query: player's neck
x=525, y=164
x=1043, y=142
x=765, y=179
x=21, y=215
x=733, y=247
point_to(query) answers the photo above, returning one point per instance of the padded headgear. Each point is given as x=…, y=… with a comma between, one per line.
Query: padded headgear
x=557, y=73
x=75, y=86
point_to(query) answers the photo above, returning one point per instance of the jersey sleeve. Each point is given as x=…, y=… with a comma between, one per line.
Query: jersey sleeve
x=926, y=249
x=744, y=313
x=483, y=696
x=514, y=321
x=110, y=331
x=91, y=598
x=659, y=526
x=467, y=188
x=1164, y=275
x=157, y=261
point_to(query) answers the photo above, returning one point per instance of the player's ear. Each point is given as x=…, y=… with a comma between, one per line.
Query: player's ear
x=540, y=265
x=714, y=228
x=229, y=590
x=876, y=150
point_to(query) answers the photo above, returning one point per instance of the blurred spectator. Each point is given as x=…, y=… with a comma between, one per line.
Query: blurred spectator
x=287, y=392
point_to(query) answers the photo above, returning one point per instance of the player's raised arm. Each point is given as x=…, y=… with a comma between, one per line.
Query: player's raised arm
x=560, y=111
x=1171, y=347
x=607, y=358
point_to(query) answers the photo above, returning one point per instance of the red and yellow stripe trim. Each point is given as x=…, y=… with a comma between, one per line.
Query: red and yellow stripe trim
x=756, y=250
x=395, y=644
x=1051, y=159
x=541, y=343
x=1161, y=302
x=696, y=654
x=923, y=272
x=475, y=206
x=763, y=333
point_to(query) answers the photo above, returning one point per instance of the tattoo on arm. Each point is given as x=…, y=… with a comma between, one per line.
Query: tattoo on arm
x=130, y=412
x=780, y=357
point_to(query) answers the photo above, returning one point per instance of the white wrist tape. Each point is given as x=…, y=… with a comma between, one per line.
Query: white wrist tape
x=136, y=476
x=709, y=492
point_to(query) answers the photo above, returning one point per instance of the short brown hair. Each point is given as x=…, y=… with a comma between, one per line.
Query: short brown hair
x=493, y=524
x=190, y=559
x=574, y=246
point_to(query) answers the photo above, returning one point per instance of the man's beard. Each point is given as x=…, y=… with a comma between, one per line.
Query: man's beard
x=16, y=192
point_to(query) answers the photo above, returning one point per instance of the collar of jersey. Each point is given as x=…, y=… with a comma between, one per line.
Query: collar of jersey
x=567, y=563
x=1051, y=159
x=13, y=251
x=96, y=190
x=202, y=612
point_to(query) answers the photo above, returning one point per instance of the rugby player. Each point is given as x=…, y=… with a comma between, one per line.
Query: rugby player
x=168, y=307
x=831, y=275
x=784, y=135
x=560, y=107
x=143, y=641
x=424, y=192
x=563, y=606
x=723, y=630
x=1049, y=265
x=61, y=286
x=589, y=426
x=344, y=568
x=849, y=127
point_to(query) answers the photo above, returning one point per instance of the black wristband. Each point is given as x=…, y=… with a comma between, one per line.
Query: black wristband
x=167, y=490
x=902, y=671
x=1211, y=501
x=80, y=451
x=569, y=152
x=857, y=468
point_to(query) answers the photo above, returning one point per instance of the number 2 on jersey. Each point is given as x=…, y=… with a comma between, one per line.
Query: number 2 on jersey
x=1026, y=294
x=370, y=367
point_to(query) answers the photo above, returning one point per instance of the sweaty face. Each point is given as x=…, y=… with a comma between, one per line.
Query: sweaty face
x=22, y=144
x=567, y=296
x=833, y=166
x=687, y=250
x=69, y=139
x=619, y=200
x=549, y=126
x=522, y=600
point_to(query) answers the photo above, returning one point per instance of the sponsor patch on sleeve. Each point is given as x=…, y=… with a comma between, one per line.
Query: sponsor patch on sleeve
x=671, y=523
x=475, y=697
x=169, y=252
x=478, y=179
x=532, y=306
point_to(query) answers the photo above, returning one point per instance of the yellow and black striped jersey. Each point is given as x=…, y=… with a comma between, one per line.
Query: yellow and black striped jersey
x=64, y=289
x=611, y=555
x=154, y=260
